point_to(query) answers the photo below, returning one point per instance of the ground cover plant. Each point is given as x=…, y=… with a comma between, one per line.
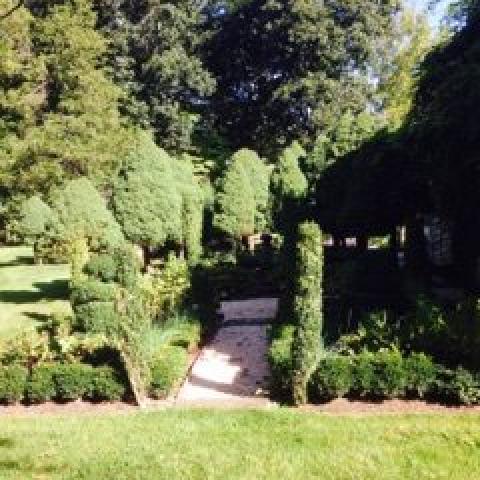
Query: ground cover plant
x=198, y=444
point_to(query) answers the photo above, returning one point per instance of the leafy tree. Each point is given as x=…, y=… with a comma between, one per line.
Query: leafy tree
x=413, y=41
x=77, y=129
x=146, y=200
x=308, y=316
x=288, y=70
x=155, y=57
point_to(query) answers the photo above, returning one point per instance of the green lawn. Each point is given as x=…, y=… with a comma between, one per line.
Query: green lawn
x=249, y=445
x=28, y=292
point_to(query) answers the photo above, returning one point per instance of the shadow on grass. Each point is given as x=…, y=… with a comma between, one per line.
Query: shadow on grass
x=18, y=262
x=55, y=290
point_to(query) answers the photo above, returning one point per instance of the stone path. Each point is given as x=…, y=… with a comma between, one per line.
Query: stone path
x=233, y=370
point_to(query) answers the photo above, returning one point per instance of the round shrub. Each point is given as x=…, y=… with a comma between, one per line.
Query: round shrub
x=41, y=384
x=87, y=291
x=12, y=383
x=363, y=374
x=97, y=317
x=389, y=379
x=102, y=266
x=421, y=375
x=168, y=368
x=458, y=387
x=332, y=378
x=105, y=385
x=72, y=381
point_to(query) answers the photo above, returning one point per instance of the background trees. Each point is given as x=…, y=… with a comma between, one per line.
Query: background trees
x=288, y=70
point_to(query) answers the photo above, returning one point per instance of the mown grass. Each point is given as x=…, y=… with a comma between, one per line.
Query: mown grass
x=29, y=292
x=249, y=445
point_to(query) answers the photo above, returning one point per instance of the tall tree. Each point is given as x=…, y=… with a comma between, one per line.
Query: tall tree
x=77, y=129
x=288, y=70
x=155, y=57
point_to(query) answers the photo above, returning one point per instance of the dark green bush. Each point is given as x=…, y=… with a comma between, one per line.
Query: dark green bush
x=332, y=378
x=103, y=267
x=41, y=384
x=280, y=360
x=12, y=383
x=389, y=378
x=458, y=387
x=72, y=381
x=97, y=317
x=363, y=374
x=308, y=308
x=421, y=375
x=168, y=367
x=106, y=385
x=87, y=291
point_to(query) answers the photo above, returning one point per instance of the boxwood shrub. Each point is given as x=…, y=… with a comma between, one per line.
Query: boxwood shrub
x=332, y=378
x=97, y=317
x=12, y=383
x=68, y=382
x=421, y=375
x=86, y=291
x=106, y=385
x=168, y=368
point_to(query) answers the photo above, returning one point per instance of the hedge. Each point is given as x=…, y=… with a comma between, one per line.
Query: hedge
x=168, y=368
x=12, y=383
x=68, y=382
x=387, y=374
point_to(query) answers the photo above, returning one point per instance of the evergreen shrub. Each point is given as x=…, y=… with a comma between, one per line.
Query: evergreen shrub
x=12, y=383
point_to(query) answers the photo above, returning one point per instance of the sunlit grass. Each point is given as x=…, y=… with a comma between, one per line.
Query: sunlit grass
x=250, y=445
x=28, y=292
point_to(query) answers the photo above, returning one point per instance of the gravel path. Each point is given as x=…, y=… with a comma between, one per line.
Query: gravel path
x=232, y=370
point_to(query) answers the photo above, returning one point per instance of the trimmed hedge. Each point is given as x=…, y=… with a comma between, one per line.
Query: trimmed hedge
x=280, y=360
x=68, y=382
x=386, y=374
x=86, y=291
x=308, y=309
x=168, y=368
x=97, y=318
x=13, y=380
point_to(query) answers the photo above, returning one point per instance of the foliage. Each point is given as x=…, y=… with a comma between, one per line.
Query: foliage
x=146, y=202
x=166, y=290
x=168, y=367
x=12, y=383
x=41, y=384
x=97, y=318
x=89, y=290
x=331, y=379
x=83, y=217
x=36, y=222
x=421, y=375
x=459, y=387
x=235, y=205
x=67, y=382
x=71, y=124
x=155, y=57
x=308, y=308
x=105, y=384
x=284, y=69
x=280, y=360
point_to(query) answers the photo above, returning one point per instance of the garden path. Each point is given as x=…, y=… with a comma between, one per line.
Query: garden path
x=232, y=370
